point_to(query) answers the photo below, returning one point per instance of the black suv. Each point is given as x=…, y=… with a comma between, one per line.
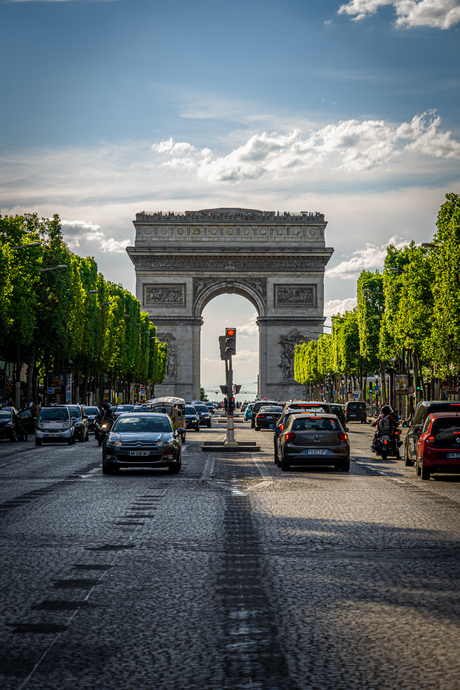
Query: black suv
x=356, y=412
x=415, y=426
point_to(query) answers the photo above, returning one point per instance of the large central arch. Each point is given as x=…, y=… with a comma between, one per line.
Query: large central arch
x=276, y=261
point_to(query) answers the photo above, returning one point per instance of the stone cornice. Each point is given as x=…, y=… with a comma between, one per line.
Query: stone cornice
x=262, y=263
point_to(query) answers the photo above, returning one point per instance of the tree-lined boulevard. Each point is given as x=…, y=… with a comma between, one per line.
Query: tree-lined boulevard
x=231, y=574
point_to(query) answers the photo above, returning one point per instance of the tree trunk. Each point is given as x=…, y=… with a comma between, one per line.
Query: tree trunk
x=84, y=392
x=30, y=375
x=383, y=383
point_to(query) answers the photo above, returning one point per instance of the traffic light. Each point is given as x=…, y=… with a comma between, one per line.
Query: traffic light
x=230, y=341
x=223, y=355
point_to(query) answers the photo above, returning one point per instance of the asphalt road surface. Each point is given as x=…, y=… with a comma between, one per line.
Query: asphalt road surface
x=232, y=574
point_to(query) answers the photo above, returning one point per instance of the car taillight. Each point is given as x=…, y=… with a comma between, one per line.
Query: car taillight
x=260, y=416
x=290, y=436
x=429, y=440
x=396, y=433
x=342, y=436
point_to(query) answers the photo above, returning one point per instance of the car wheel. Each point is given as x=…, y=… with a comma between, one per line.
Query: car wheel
x=100, y=440
x=344, y=466
x=174, y=469
x=106, y=469
x=252, y=425
x=275, y=455
x=285, y=466
x=407, y=461
x=86, y=435
x=70, y=441
x=209, y=425
x=424, y=473
x=257, y=428
x=197, y=428
x=417, y=469
x=38, y=441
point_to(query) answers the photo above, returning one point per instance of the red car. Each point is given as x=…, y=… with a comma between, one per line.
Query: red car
x=438, y=446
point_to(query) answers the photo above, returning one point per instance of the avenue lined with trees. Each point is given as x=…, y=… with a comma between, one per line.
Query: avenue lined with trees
x=407, y=321
x=59, y=314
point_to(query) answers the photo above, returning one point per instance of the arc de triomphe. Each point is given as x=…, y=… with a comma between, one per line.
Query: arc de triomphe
x=276, y=261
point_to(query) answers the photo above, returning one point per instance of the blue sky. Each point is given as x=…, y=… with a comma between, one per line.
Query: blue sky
x=116, y=106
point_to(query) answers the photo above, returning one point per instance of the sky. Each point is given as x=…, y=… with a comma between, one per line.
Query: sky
x=111, y=107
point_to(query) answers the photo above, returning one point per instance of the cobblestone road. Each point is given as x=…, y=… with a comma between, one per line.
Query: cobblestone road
x=232, y=574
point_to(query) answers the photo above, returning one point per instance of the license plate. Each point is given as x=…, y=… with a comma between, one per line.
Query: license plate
x=316, y=451
x=52, y=435
x=269, y=417
x=139, y=452
x=453, y=455
x=385, y=438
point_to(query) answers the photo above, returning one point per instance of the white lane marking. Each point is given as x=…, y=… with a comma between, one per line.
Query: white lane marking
x=208, y=469
x=262, y=469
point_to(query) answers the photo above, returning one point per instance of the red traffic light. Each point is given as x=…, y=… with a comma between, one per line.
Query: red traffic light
x=230, y=331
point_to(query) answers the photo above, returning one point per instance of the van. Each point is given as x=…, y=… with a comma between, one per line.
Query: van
x=356, y=411
x=174, y=408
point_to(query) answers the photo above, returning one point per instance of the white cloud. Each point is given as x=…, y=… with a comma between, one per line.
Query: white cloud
x=350, y=146
x=246, y=356
x=250, y=328
x=371, y=257
x=339, y=306
x=77, y=231
x=439, y=14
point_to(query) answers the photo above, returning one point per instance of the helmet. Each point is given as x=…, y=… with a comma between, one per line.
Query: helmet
x=386, y=409
x=106, y=406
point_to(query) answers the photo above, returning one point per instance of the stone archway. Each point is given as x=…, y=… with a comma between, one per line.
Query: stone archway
x=276, y=261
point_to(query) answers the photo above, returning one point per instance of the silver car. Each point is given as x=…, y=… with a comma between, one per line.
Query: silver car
x=54, y=424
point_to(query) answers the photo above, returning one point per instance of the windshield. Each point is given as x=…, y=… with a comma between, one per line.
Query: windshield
x=315, y=424
x=190, y=410
x=201, y=408
x=123, y=408
x=56, y=413
x=140, y=424
x=74, y=412
x=4, y=414
x=164, y=409
x=91, y=410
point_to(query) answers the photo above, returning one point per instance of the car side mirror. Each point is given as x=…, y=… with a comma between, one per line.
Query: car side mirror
x=180, y=430
x=417, y=429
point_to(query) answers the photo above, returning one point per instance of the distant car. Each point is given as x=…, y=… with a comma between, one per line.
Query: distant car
x=256, y=407
x=141, y=408
x=54, y=424
x=91, y=412
x=248, y=412
x=142, y=439
x=203, y=414
x=8, y=423
x=25, y=424
x=339, y=413
x=80, y=422
x=438, y=445
x=423, y=409
x=210, y=407
x=192, y=420
x=313, y=439
x=356, y=411
x=120, y=409
x=267, y=416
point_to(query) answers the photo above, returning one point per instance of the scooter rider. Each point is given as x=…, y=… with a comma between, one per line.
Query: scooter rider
x=385, y=422
x=106, y=414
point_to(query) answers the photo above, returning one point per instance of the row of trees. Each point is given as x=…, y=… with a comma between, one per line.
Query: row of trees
x=407, y=319
x=69, y=319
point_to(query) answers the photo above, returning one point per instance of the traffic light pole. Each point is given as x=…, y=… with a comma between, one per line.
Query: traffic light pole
x=230, y=440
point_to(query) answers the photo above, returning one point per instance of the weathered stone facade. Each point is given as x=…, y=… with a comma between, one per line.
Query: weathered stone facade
x=276, y=261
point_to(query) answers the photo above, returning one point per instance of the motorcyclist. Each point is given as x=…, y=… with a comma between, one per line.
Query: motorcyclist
x=385, y=422
x=106, y=414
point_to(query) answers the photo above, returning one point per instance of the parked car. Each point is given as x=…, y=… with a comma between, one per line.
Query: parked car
x=91, y=413
x=8, y=423
x=192, y=420
x=423, y=409
x=356, y=411
x=267, y=416
x=203, y=413
x=142, y=439
x=317, y=439
x=438, y=445
x=54, y=424
x=79, y=421
x=256, y=407
x=248, y=412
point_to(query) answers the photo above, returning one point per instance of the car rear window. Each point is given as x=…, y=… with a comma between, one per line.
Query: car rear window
x=91, y=410
x=356, y=405
x=446, y=430
x=4, y=414
x=264, y=410
x=336, y=409
x=316, y=424
x=141, y=424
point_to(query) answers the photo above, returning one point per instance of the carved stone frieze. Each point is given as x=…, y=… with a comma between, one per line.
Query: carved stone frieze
x=295, y=296
x=171, y=358
x=236, y=263
x=171, y=295
x=288, y=343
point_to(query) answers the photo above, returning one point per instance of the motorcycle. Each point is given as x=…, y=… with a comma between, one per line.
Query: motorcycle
x=387, y=444
x=101, y=430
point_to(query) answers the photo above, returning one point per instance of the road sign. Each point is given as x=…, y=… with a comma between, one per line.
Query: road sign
x=411, y=390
